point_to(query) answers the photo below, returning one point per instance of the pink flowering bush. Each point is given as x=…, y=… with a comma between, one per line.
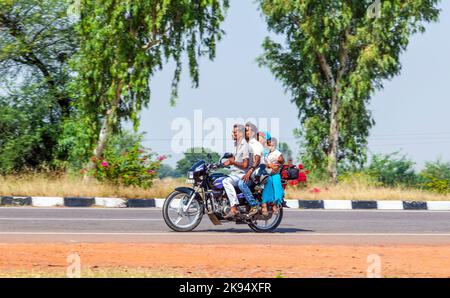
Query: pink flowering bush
x=129, y=165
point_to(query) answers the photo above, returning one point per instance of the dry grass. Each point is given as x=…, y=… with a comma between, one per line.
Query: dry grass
x=363, y=192
x=92, y=273
x=64, y=185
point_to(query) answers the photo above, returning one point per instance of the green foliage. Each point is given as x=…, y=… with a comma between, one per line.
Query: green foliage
x=392, y=170
x=28, y=129
x=127, y=163
x=123, y=44
x=358, y=178
x=436, y=176
x=74, y=143
x=286, y=151
x=167, y=171
x=333, y=55
x=194, y=155
x=36, y=41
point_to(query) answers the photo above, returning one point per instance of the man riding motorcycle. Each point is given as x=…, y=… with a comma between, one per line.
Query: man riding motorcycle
x=240, y=162
x=256, y=151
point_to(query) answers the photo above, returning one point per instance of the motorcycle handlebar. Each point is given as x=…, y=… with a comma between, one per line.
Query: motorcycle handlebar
x=215, y=166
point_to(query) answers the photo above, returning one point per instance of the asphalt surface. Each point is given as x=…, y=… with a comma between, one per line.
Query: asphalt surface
x=128, y=225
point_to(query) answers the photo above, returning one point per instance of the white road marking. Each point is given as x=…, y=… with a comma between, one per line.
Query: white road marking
x=95, y=208
x=221, y=234
x=77, y=219
x=153, y=209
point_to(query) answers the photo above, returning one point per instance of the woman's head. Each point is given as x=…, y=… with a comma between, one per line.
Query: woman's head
x=273, y=144
x=264, y=138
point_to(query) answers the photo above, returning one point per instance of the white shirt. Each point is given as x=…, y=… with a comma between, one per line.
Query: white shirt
x=273, y=158
x=241, y=152
x=255, y=148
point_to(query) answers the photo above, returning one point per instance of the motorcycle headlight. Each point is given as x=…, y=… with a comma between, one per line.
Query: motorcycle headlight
x=190, y=175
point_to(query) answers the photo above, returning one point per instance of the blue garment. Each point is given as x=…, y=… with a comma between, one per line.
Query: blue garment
x=273, y=190
x=243, y=186
x=267, y=134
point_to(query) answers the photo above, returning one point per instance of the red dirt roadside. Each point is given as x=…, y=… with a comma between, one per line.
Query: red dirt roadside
x=234, y=260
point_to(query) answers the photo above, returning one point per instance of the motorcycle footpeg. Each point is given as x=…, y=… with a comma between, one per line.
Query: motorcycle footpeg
x=240, y=222
x=214, y=218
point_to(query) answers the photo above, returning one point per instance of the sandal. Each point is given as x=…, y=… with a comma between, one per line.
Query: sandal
x=264, y=211
x=275, y=209
x=231, y=214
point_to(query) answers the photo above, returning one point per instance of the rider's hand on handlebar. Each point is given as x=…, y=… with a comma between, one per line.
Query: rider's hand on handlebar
x=228, y=162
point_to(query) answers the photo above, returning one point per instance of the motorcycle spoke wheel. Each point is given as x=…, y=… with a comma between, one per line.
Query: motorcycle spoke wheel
x=177, y=217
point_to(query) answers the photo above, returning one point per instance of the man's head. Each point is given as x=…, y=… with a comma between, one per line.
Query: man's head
x=238, y=132
x=250, y=131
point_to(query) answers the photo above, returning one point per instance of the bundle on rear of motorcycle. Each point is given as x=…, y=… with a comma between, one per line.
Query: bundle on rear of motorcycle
x=290, y=172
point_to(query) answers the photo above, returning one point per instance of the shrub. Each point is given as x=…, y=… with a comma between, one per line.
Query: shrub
x=168, y=171
x=358, y=179
x=436, y=176
x=194, y=155
x=392, y=170
x=126, y=162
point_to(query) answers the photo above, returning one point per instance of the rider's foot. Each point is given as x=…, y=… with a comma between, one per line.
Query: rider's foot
x=253, y=211
x=232, y=214
x=264, y=211
x=275, y=209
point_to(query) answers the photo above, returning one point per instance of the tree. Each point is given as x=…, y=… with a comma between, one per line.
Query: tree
x=334, y=56
x=167, y=171
x=36, y=41
x=286, y=151
x=194, y=155
x=27, y=134
x=123, y=43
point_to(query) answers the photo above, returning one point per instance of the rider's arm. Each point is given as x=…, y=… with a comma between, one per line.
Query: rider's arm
x=245, y=158
x=255, y=165
x=256, y=161
x=241, y=165
x=276, y=166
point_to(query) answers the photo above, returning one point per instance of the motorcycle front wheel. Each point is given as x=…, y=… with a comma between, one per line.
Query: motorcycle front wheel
x=175, y=215
x=267, y=225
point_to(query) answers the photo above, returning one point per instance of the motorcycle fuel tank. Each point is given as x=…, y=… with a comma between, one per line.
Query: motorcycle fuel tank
x=217, y=180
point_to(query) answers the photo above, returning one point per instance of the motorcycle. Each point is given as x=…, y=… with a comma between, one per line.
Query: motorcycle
x=185, y=207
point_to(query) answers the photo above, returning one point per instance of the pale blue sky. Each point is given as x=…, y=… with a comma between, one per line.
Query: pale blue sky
x=411, y=113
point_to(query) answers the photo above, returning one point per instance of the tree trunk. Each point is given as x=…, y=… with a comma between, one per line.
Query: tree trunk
x=333, y=140
x=109, y=120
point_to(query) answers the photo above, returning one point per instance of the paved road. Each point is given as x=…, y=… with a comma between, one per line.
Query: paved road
x=28, y=224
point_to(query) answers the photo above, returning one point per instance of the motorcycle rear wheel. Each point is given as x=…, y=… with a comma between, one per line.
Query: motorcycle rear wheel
x=275, y=221
x=173, y=206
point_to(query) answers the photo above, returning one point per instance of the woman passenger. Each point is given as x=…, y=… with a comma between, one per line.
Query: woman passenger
x=273, y=190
